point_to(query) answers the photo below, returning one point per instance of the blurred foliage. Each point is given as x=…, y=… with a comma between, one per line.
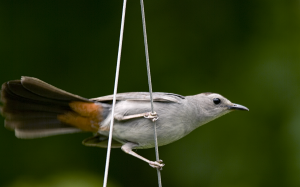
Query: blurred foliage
x=67, y=179
x=248, y=51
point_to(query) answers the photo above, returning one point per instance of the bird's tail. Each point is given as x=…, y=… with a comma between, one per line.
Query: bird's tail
x=36, y=109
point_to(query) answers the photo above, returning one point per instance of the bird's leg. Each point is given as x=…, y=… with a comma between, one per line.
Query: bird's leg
x=127, y=148
x=149, y=115
x=121, y=117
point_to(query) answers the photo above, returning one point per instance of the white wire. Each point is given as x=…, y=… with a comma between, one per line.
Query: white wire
x=150, y=88
x=114, y=98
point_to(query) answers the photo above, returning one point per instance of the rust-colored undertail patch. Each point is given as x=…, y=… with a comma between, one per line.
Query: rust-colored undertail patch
x=86, y=116
x=86, y=109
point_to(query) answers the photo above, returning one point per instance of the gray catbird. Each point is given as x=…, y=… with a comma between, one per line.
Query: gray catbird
x=36, y=109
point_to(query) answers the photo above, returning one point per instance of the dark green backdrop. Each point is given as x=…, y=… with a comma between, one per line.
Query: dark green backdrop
x=246, y=50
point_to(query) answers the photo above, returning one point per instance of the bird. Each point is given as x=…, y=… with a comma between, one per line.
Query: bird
x=36, y=109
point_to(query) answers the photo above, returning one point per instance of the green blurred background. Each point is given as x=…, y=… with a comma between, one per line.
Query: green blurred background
x=246, y=50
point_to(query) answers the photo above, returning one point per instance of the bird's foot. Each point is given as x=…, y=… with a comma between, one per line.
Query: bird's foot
x=153, y=116
x=157, y=164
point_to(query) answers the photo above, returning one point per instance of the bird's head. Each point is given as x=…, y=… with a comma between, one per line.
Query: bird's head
x=215, y=105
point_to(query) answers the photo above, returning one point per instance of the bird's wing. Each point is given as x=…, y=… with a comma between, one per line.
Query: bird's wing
x=142, y=96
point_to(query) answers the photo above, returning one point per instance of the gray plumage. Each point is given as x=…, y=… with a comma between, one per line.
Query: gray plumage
x=176, y=119
x=31, y=108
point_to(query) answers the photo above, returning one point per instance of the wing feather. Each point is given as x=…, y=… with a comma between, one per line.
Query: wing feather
x=143, y=96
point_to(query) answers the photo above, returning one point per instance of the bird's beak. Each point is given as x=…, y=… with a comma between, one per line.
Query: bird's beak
x=238, y=107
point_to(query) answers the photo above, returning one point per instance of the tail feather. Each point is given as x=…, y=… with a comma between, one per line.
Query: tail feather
x=31, y=108
x=28, y=115
x=29, y=134
x=35, y=124
x=48, y=91
x=6, y=94
x=18, y=100
x=16, y=88
x=21, y=106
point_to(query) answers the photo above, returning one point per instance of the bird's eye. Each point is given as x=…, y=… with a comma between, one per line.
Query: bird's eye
x=217, y=101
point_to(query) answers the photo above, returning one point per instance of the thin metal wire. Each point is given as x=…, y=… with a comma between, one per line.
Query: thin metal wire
x=115, y=92
x=150, y=87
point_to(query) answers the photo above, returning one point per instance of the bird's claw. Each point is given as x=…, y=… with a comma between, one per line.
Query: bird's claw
x=157, y=164
x=153, y=116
